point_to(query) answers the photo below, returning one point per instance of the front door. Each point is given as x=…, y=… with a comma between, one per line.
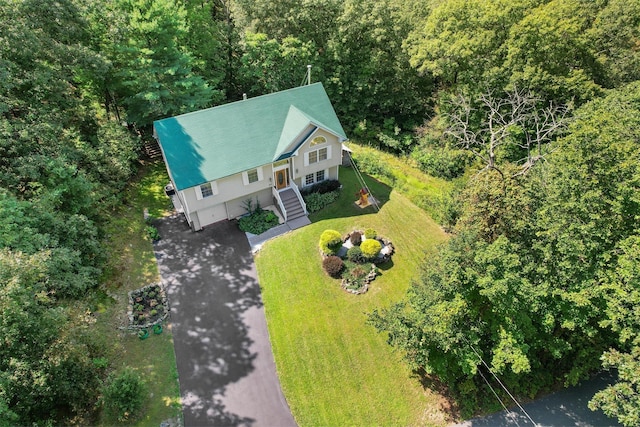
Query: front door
x=281, y=179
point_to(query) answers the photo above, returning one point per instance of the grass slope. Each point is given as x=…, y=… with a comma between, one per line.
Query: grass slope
x=334, y=368
x=132, y=265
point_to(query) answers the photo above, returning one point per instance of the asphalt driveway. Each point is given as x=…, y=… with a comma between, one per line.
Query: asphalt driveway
x=225, y=365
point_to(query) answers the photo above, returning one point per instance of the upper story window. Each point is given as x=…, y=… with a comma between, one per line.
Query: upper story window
x=252, y=175
x=318, y=140
x=207, y=189
x=317, y=155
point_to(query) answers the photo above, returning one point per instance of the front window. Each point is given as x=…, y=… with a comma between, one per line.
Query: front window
x=312, y=178
x=322, y=154
x=313, y=157
x=252, y=175
x=206, y=190
x=309, y=179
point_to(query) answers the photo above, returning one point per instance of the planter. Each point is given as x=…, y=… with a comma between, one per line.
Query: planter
x=143, y=334
x=157, y=329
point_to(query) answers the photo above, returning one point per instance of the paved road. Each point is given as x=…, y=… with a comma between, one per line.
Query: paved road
x=225, y=365
x=567, y=407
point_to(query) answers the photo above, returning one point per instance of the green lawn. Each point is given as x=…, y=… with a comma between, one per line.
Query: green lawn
x=335, y=369
x=132, y=265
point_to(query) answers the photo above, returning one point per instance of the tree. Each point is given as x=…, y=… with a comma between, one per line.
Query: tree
x=307, y=20
x=153, y=74
x=523, y=286
x=498, y=125
x=622, y=399
x=550, y=55
x=45, y=362
x=463, y=42
x=214, y=41
x=271, y=66
x=615, y=34
x=371, y=78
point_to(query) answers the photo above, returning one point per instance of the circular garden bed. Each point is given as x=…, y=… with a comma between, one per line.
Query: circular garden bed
x=354, y=258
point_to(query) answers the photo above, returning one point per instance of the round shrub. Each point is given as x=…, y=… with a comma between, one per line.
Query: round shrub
x=333, y=265
x=370, y=248
x=354, y=254
x=356, y=238
x=370, y=233
x=123, y=395
x=330, y=242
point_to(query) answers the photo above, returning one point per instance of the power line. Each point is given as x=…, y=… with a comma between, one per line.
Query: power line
x=500, y=382
x=495, y=394
x=364, y=184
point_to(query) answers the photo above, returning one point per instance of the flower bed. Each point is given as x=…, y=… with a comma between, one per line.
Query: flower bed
x=360, y=252
x=148, y=306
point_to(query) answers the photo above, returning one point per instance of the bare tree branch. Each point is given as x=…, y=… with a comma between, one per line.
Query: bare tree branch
x=502, y=120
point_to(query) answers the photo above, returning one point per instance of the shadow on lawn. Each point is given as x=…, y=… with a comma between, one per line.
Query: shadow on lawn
x=208, y=302
x=346, y=206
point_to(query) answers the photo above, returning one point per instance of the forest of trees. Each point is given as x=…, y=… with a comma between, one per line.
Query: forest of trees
x=534, y=105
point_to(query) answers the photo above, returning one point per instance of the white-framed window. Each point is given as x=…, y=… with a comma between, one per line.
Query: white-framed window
x=308, y=180
x=312, y=178
x=316, y=156
x=252, y=175
x=318, y=140
x=208, y=189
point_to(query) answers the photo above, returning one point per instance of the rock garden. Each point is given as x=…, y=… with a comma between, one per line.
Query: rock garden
x=354, y=258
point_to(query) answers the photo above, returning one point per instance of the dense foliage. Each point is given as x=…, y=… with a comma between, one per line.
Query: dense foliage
x=544, y=243
x=532, y=281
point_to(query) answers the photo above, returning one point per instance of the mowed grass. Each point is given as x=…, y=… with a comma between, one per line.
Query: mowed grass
x=335, y=369
x=131, y=265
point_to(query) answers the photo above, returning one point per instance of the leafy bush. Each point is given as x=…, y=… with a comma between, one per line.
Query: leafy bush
x=153, y=233
x=354, y=254
x=371, y=164
x=356, y=238
x=123, y=394
x=355, y=275
x=317, y=201
x=444, y=163
x=370, y=248
x=322, y=187
x=330, y=242
x=258, y=222
x=370, y=233
x=333, y=265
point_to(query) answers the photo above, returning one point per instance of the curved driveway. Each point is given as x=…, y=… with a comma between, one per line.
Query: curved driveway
x=225, y=364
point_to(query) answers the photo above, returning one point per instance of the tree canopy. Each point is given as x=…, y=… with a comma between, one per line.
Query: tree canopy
x=539, y=277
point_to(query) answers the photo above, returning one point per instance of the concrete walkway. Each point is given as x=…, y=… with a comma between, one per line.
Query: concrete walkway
x=225, y=364
x=257, y=240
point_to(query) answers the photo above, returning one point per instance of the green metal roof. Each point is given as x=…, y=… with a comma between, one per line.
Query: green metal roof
x=217, y=142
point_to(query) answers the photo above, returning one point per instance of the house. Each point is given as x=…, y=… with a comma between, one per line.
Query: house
x=264, y=148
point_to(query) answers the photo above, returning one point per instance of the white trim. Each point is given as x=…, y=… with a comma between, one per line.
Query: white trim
x=214, y=189
x=306, y=159
x=245, y=175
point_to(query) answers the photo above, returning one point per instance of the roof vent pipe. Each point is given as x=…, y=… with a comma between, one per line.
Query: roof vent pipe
x=244, y=96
